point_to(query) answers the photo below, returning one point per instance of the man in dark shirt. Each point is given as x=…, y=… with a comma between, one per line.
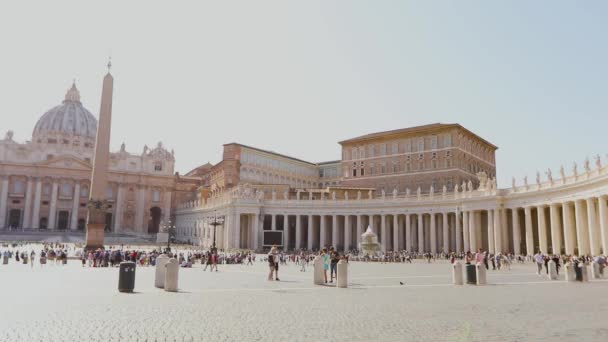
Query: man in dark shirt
x=334, y=258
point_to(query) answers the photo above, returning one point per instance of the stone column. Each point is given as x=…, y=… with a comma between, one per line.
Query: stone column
x=27, y=212
x=256, y=231
x=359, y=230
x=323, y=233
x=167, y=208
x=556, y=229
x=473, y=230
x=433, y=234
x=237, y=230
x=53, y=209
x=594, y=231
x=491, y=248
x=370, y=221
x=465, y=230
x=420, y=234
x=273, y=222
x=298, y=231
x=446, y=233
x=285, y=232
x=3, y=202
x=120, y=202
x=310, y=232
x=139, y=209
x=458, y=232
x=347, y=233
x=516, y=231
x=36, y=213
x=396, y=231
x=384, y=241
x=76, y=205
x=603, y=210
x=542, y=229
x=569, y=228
x=498, y=228
x=408, y=232
x=334, y=231
x=529, y=233
x=582, y=230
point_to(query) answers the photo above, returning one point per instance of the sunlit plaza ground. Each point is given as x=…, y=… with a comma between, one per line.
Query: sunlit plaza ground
x=71, y=303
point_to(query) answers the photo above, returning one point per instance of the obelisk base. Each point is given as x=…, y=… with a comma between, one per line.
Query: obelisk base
x=95, y=235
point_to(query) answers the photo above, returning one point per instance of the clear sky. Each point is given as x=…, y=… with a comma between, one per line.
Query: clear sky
x=297, y=77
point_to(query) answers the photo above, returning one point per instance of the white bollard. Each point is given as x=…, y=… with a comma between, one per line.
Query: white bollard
x=342, y=276
x=570, y=274
x=481, y=273
x=457, y=273
x=318, y=274
x=552, y=270
x=595, y=271
x=171, y=273
x=585, y=272
x=159, y=278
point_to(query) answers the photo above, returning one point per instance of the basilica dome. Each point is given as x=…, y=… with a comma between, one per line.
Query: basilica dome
x=68, y=120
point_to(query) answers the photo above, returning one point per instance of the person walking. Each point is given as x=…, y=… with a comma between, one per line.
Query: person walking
x=538, y=258
x=335, y=257
x=325, y=258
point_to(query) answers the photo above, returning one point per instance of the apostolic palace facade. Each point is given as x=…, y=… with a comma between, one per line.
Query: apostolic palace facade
x=430, y=188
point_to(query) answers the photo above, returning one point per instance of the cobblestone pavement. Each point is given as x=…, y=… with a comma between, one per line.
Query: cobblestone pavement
x=70, y=303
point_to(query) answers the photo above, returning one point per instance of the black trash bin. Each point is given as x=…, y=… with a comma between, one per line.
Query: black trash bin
x=471, y=273
x=578, y=271
x=126, y=276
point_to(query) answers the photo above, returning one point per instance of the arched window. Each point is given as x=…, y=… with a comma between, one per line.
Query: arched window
x=84, y=191
x=158, y=166
x=155, y=196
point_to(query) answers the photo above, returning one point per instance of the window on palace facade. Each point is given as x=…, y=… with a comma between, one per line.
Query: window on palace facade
x=46, y=189
x=66, y=190
x=395, y=148
x=383, y=168
x=361, y=152
x=371, y=169
x=382, y=149
x=420, y=165
x=109, y=192
x=434, y=163
x=420, y=156
x=408, y=166
x=449, y=184
x=354, y=153
x=49, y=156
x=434, y=184
x=52, y=141
x=362, y=172
x=408, y=146
x=447, y=140
x=448, y=163
x=18, y=187
x=420, y=144
x=155, y=196
x=158, y=166
x=88, y=145
x=395, y=167
x=354, y=172
x=370, y=150
x=434, y=142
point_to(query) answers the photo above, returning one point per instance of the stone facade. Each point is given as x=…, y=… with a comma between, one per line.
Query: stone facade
x=426, y=157
x=45, y=182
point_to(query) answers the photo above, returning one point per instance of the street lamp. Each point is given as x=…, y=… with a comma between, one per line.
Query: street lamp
x=215, y=223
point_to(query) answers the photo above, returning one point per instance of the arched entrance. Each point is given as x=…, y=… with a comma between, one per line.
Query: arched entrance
x=14, y=218
x=108, y=226
x=62, y=219
x=154, y=222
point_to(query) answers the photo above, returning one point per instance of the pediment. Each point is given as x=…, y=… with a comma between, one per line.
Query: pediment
x=67, y=162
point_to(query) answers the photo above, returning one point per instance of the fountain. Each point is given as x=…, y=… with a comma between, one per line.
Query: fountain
x=369, y=245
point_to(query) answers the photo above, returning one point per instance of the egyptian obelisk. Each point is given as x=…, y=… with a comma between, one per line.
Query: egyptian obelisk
x=99, y=177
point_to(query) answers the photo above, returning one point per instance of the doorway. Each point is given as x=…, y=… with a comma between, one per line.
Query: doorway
x=154, y=223
x=62, y=219
x=108, y=226
x=14, y=218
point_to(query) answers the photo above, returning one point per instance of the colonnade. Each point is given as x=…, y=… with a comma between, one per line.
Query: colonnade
x=571, y=227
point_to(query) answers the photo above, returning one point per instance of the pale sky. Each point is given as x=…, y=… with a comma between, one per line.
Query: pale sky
x=297, y=77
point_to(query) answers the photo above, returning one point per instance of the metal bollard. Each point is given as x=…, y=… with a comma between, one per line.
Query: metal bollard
x=159, y=276
x=126, y=276
x=171, y=273
x=5, y=260
x=552, y=270
x=595, y=271
x=481, y=273
x=570, y=274
x=318, y=274
x=471, y=274
x=457, y=273
x=342, y=276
